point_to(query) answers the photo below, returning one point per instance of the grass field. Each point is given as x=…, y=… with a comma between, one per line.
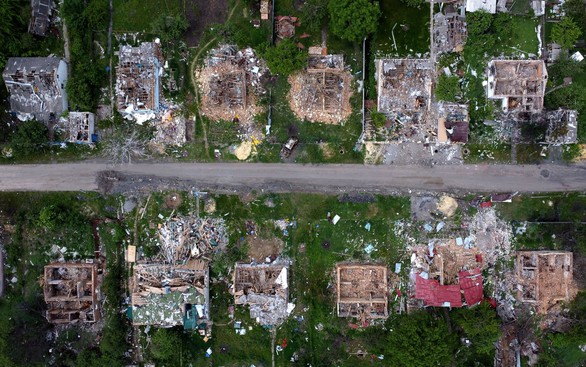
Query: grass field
x=411, y=39
x=137, y=15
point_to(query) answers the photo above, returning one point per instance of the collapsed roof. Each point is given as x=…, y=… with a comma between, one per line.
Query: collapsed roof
x=169, y=295
x=41, y=11
x=78, y=127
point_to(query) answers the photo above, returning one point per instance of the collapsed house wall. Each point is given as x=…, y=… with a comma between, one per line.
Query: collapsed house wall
x=265, y=289
x=37, y=87
x=545, y=278
x=72, y=293
x=362, y=291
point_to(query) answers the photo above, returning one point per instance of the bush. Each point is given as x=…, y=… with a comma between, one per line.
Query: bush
x=29, y=138
x=448, y=88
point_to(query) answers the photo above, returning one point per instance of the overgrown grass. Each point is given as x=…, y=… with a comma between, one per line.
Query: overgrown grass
x=137, y=15
x=411, y=29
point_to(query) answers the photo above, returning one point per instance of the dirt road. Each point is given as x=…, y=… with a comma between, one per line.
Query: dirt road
x=292, y=177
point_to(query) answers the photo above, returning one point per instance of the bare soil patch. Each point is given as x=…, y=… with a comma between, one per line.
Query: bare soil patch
x=201, y=14
x=260, y=248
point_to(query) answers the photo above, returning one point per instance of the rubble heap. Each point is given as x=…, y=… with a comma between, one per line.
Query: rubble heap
x=449, y=29
x=169, y=295
x=72, y=292
x=404, y=95
x=562, y=127
x=362, y=291
x=230, y=82
x=545, y=278
x=265, y=289
x=322, y=92
x=182, y=238
x=170, y=131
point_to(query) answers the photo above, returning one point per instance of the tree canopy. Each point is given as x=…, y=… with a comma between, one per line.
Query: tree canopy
x=284, y=58
x=353, y=20
x=448, y=88
x=566, y=32
x=29, y=138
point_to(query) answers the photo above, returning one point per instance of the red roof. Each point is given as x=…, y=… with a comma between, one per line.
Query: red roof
x=471, y=284
x=436, y=295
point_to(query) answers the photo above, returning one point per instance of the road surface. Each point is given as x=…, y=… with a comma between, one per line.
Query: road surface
x=292, y=177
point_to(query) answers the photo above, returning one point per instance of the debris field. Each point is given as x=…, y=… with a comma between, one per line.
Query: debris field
x=183, y=238
x=322, y=92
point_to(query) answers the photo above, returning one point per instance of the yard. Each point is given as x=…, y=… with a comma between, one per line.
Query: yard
x=138, y=15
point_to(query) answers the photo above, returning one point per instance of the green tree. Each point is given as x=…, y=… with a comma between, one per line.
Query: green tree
x=481, y=326
x=314, y=15
x=166, y=345
x=285, y=58
x=353, y=20
x=420, y=340
x=478, y=22
x=413, y=3
x=564, y=67
x=576, y=10
x=448, y=88
x=566, y=32
x=29, y=138
x=169, y=27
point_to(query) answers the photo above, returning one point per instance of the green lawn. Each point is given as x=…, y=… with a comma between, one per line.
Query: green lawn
x=411, y=29
x=137, y=15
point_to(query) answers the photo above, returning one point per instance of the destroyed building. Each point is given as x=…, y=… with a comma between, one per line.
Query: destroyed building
x=453, y=124
x=230, y=82
x=362, y=291
x=489, y=6
x=519, y=84
x=138, y=77
x=545, y=278
x=447, y=275
x=168, y=295
x=72, y=292
x=265, y=289
x=37, y=87
x=285, y=26
x=562, y=127
x=78, y=127
x=404, y=95
x=41, y=12
x=449, y=29
x=322, y=92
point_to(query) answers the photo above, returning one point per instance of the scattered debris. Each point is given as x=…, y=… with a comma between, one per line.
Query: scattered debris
x=562, y=127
